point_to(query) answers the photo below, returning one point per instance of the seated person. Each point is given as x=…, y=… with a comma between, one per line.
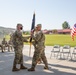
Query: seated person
x=1, y=48
x=10, y=45
x=4, y=43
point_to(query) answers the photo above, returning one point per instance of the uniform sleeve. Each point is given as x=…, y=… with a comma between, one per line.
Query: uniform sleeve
x=25, y=39
x=38, y=36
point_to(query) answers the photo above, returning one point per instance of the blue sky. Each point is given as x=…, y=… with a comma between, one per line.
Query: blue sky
x=50, y=13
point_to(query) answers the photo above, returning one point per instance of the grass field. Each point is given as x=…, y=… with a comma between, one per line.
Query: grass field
x=60, y=39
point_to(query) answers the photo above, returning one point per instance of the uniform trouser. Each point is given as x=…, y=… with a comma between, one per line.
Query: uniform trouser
x=18, y=56
x=36, y=57
x=10, y=47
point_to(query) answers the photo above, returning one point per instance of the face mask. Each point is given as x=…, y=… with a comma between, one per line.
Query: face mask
x=21, y=28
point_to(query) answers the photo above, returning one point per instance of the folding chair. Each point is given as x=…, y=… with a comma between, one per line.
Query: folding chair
x=74, y=53
x=55, y=51
x=66, y=51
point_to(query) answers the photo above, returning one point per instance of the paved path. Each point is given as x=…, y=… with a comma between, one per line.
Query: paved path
x=56, y=66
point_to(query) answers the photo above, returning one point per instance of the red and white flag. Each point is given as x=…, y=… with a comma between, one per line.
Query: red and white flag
x=73, y=32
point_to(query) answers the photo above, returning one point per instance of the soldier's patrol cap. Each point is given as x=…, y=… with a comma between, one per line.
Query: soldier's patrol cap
x=39, y=25
x=19, y=24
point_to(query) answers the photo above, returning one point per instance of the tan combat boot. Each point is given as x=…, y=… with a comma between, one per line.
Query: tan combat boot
x=23, y=67
x=2, y=51
x=15, y=69
x=46, y=67
x=31, y=69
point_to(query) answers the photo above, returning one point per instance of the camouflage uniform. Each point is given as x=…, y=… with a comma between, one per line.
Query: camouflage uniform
x=39, y=44
x=34, y=44
x=18, y=40
x=10, y=45
x=4, y=43
x=1, y=48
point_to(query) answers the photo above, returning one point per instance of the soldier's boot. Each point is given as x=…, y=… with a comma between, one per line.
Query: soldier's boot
x=15, y=69
x=2, y=51
x=46, y=67
x=31, y=69
x=22, y=67
x=46, y=64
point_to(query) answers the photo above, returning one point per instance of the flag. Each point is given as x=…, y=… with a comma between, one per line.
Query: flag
x=33, y=24
x=32, y=27
x=73, y=32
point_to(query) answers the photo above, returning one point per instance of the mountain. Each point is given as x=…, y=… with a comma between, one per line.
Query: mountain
x=5, y=31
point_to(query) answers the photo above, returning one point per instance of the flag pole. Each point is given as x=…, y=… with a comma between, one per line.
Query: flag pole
x=32, y=27
x=30, y=49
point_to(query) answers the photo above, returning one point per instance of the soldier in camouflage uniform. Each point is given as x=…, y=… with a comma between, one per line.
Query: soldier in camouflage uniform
x=4, y=43
x=10, y=45
x=1, y=48
x=39, y=45
x=18, y=40
x=34, y=44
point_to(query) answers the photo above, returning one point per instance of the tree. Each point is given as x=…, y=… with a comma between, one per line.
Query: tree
x=65, y=25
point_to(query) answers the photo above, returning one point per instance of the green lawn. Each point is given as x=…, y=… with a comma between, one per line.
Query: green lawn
x=60, y=39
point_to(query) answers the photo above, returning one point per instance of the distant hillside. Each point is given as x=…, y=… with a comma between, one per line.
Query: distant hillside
x=5, y=31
